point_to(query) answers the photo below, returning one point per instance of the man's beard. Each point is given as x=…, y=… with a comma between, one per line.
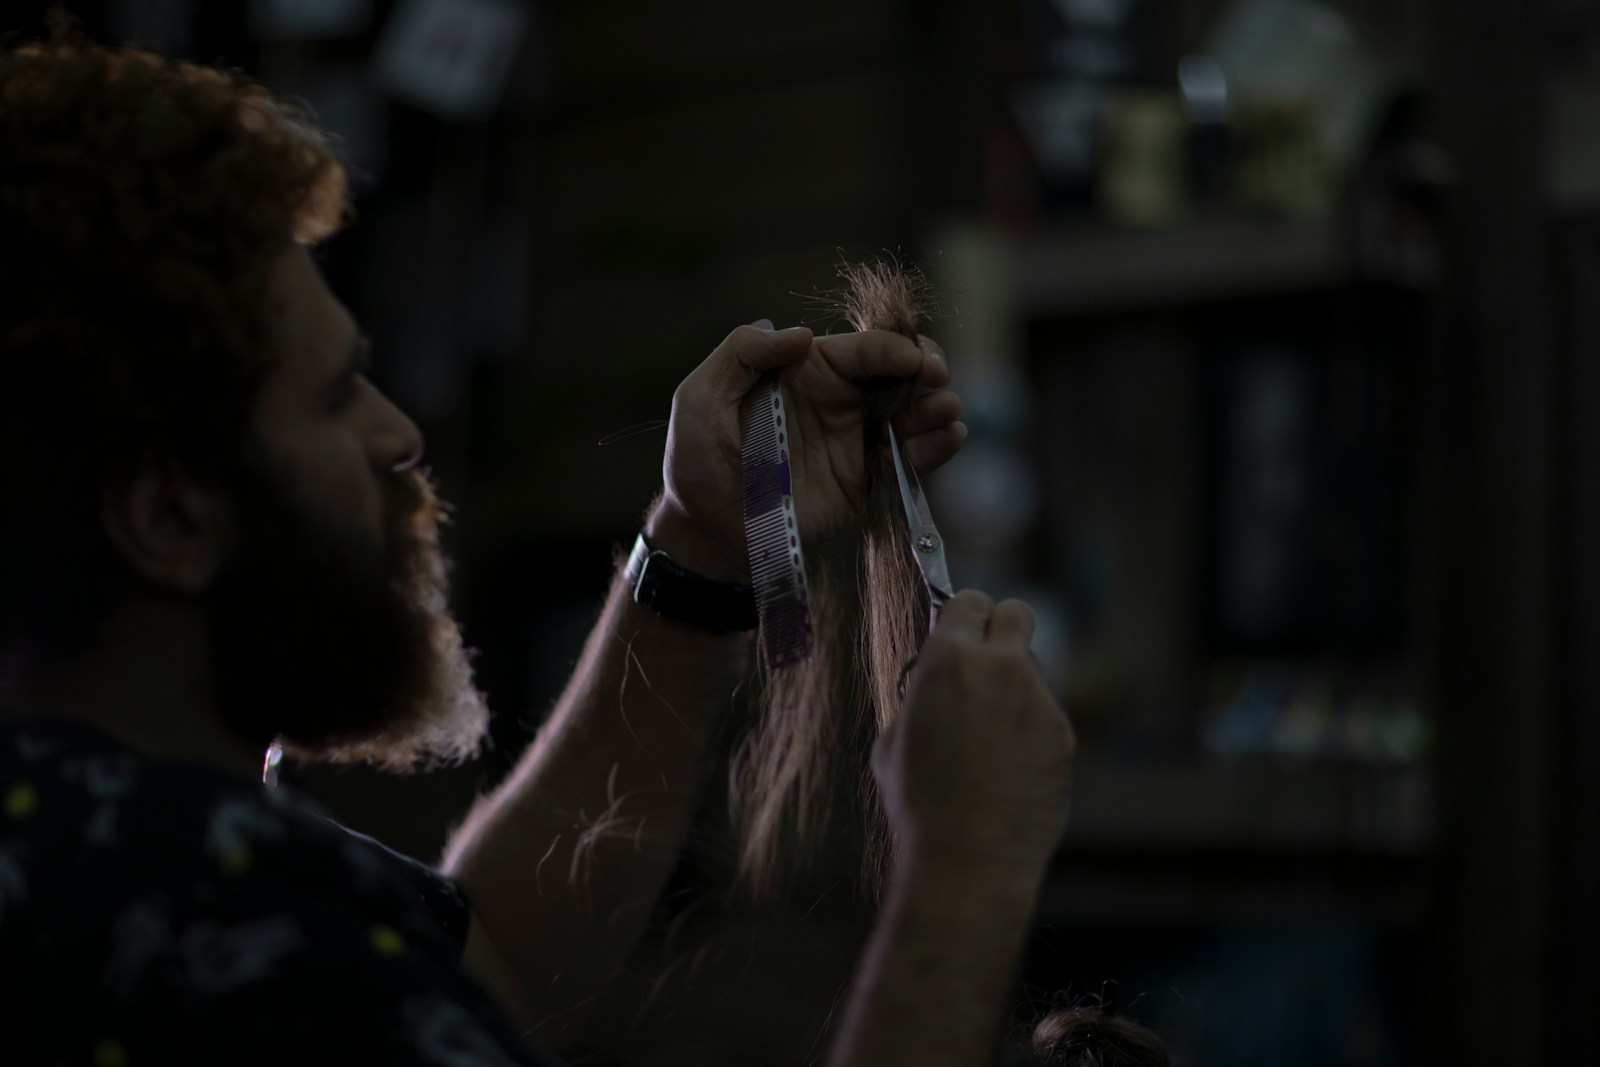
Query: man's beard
x=343, y=650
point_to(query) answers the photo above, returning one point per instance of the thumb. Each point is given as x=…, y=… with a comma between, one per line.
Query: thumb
x=749, y=352
x=883, y=747
x=880, y=758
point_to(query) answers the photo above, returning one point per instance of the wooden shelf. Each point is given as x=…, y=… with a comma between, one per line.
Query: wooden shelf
x=1330, y=808
x=1084, y=268
x=1204, y=843
x=1199, y=889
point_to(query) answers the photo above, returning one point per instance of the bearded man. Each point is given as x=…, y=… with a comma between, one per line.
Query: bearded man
x=218, y=542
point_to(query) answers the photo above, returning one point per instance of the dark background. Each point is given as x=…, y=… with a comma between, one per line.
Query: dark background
x=1287, y=433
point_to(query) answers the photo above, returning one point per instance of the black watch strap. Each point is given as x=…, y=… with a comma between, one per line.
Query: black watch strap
x=674, y=592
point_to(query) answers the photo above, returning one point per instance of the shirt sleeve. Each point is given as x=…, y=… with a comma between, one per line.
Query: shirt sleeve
x=444, y=899
x=161, y=915
x=301, y=977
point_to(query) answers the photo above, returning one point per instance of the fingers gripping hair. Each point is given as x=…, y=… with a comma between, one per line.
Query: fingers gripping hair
x=1012, y=621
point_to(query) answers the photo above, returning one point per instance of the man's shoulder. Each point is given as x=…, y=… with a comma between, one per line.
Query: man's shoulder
x=76, y=799
x=157, y=897
x=87, y=827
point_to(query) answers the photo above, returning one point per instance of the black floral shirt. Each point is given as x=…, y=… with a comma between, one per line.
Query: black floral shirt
x=155, y=913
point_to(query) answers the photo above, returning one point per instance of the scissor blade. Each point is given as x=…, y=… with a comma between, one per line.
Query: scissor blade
x=911, y=495
x=927, y=546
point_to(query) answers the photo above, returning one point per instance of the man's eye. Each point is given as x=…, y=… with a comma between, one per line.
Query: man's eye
x=344, y=395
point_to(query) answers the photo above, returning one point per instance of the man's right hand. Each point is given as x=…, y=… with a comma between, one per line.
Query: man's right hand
x=973, y=774
x=974, y=769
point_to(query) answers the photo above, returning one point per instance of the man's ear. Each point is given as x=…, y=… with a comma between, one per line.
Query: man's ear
x=171, y=529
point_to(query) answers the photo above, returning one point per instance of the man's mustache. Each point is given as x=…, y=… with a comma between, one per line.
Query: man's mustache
x=415, y=510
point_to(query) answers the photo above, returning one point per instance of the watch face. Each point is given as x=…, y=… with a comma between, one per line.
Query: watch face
x=634, y=569
x=649, y=585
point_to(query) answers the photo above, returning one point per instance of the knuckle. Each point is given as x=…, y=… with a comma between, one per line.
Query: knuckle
x=975, y=597
x=1016, y=607
x=695, y=383
x=687, y=396
x=950, y=656
x=1059, y=725
x=1012, y=666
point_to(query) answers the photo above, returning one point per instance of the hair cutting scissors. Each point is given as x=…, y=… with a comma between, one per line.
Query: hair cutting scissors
x=927, y=547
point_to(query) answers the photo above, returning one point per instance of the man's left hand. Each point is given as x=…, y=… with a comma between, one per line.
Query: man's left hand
x=700, y=520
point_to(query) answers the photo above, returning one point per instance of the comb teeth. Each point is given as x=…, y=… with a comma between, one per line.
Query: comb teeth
x=772, y=535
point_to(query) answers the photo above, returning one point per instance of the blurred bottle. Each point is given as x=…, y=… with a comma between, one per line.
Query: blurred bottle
x=1142, y=181
x=1011, y=192
x=1204, y=85
x=1280, y=169
x=1075, y=56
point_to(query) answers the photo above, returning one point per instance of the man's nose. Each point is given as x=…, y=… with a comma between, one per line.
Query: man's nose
x=397, y=441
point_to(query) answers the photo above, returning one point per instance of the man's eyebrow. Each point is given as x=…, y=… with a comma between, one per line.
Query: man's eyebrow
x=359, y=361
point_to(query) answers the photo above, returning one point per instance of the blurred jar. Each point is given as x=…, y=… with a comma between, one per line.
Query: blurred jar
x=1143, y=176
x=1279, y=167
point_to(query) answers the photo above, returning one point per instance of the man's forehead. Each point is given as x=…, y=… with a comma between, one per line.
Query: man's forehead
x=308, y=328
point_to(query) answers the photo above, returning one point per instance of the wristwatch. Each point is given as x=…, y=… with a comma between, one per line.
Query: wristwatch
x=675, y=592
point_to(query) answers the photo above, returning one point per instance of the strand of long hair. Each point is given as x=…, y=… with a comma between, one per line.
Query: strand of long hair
x=801, y=787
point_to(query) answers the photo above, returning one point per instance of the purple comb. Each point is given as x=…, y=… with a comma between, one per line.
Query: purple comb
x=772, y=536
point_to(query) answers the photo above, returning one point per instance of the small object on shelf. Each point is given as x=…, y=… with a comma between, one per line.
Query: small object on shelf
x=1142, y=178
x=1311, y=713
x=1278, y=167
x=1205, y=100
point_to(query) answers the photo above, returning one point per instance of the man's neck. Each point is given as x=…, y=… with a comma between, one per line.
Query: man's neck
x=147, y=683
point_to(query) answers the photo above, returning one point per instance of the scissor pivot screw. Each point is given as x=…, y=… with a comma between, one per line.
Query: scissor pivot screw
x=927, y=543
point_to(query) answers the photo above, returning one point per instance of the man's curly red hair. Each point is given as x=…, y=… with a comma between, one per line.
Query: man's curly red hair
x=141, y=201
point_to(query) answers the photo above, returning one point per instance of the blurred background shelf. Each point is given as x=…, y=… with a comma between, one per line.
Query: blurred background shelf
x=1196, y=889
x=1090, y=268
x=1251, y=807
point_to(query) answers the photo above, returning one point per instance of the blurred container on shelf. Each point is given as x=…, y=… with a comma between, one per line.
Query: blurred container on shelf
x=1396, y=199
x=1011, y=196
x=1059, y=122
x=1312, y=712
x=1279, y=168
x=1077, y=56
x=1302, y=90
x=1116, y=111
x=1204, y=86
x=1143, y=175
